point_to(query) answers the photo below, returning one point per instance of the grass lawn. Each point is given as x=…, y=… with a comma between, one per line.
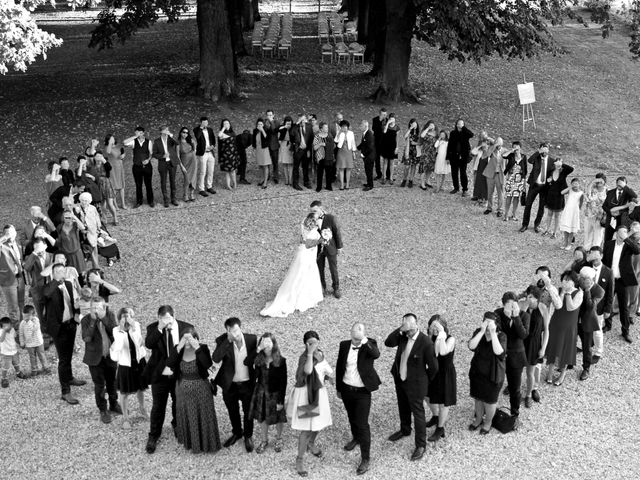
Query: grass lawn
x=405, y=250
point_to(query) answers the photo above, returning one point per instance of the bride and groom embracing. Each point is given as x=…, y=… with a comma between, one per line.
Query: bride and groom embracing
x=304, y=286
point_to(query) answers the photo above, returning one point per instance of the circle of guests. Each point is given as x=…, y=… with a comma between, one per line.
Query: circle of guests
x=56, y=256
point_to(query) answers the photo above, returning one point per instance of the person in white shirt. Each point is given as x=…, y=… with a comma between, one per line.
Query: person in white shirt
x=205, y=146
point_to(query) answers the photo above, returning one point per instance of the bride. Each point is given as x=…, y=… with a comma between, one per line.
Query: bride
x=301, y=288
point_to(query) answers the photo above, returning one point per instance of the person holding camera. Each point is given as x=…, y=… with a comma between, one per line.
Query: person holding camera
x=196, y=421
x=486, y=375
x=414, y=367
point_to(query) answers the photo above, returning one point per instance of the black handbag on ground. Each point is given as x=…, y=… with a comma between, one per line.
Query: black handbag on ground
x=503, y=421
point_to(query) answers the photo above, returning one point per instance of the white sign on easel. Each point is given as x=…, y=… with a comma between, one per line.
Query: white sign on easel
x=527, y=96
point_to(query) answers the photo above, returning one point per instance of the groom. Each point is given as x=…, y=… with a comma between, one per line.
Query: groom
x=330, y=250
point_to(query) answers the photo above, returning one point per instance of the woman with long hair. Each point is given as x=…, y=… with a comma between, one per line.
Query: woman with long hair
x=228, y=155
x=261, y=147
x=428, y=154
x=188, y=165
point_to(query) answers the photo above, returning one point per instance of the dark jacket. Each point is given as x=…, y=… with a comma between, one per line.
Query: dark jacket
x=422, y=364
x=335, y=244
x=536, y=161
x=263, y=139
x=588, y=316
x=55, y=306
x=627, y=273
x=295, y=136
x=201, y=142
x=511, y=161
x=225, y=353
x=367, y=146
x=92, y=337
x=516, y=333
x=203, y=361
x=607, y=283
x=154, y=341
x=275, y=377
x=458, y=148
x=611, y=201
x=367, y=353
x=158, y=151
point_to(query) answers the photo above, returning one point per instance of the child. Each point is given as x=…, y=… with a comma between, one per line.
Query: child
x=8, y=351
x=570, y=217
x=30, y=337
x=442, y=165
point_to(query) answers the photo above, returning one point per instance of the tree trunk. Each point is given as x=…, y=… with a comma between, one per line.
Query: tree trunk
x=363, y=22
x=353, y=9
x=256, y=10
x=217, y=70
x=376, y=34
x=234, y=9
x=247, y=15
x=401, y=19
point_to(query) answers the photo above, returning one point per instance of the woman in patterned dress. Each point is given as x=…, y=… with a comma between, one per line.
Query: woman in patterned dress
x=428, y=158
x=228, y=153
x=515, y=174
x=115, y=157
x=196, y=421
x=188, y=164
x=412, y=152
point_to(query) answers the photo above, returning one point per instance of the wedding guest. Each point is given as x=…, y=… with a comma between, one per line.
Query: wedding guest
x=618, y=256
x=61, y=323
x=115, y=156
x=594, y=215
x=542, y=167
x=34, y=265
x=243, y=142
x=480, y=161
x=128, y=351
x=68, y=177
x=36, y=219
x=313, y=120
x=188, y=164
x=196, y=421
x=443, y=388
x=323, y=147
x=334, y=128
x=9, y=352
x=30, y=336
x=89, y=175
x=261, y=149
x=494, y=175
x=428, y=155
x=94, y=279
x=563, y=327
x=377, y=126
x=578, y=261
x=142, y=168
x=442, y=166
x=554, y=198
x=97, y=333
x=236, y=376
x=514, y=323
x=588, y=317
x=57, y=198
x=388, y=146
x=103, y=169
x=487, y=371
x=412, y=153
x=267, y=400
x=356, y=378
x=53, y=180
x=515, y=174
x=412, y=379
x=345, y=143
x=285, y=153
x=163, y=336
x=330, y=250
x=165, y=151
x=458, y=152
x=616, y=206
x=301, y=136
x=570, y=217
x=11, y=274
x=90, y=218
x=535, y=343
x=228, y=157
x=604, y=278
x=272, y=126
x=308, y=407
x=205, y=146
x=368, y=153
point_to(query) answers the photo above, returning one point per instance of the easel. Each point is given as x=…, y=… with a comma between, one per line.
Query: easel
x=527, y=97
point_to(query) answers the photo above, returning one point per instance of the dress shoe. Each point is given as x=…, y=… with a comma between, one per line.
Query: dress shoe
x=403, y=183
x=69, y=399
x=318, y=190
x=366, y=189
x=473, y=428
x=454, y=191
x=151, y=445
x=487, y=211
x=174, y=203
x=528, y=402
x=584, y=375
x=77, y=383
x=105, y=417
x=351, y=445
x=417, y=454
x=378, y=177
x=536, y=229
x=394, y=437
x=297, y=187
x=338, y=294
x=499, y=214
x=595, y=359
x=308, y=185
x=330, y=189
x=275, y=181
x=464, y=193
x=627, y=338
x=363, y=467
x=535, y=396
x=166, y=204
x=22, y=375
x=523, y=229
x=202, y=193
x=244, y=181
x=211, y=191
x=300, y=468
x=410, y=184
x=4, y=383
x=137, y=205
x=231, y=440
x=484, y=432
x=314, y=450
x=248, y=444
x=437, y=434
x=474, y=199
x=115, y=408
x=433, y=421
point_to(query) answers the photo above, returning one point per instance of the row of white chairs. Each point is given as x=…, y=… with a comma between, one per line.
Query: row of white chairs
x=343, y=53
x=278, y=38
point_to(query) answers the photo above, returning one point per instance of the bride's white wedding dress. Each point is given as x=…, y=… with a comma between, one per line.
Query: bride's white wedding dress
x=301, y=288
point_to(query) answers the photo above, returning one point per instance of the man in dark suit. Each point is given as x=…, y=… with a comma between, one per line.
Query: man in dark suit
x=236, y=376
x=616, y=207
x=97, y=333
x=328, y=250
x=205, y=146
x=271, y=126
x=301, y=136
x=588, y=318
x=162, y=338
x=542, y=167
x=515, y=324
x=458, y=150
x=165, y=151
x=323, y=150
x=61, y=322
x=377, y=124
x=243, y=141
x=414, y=366
x=355, y=380
x=604, y=278
x=367, y=149
x=617, y=255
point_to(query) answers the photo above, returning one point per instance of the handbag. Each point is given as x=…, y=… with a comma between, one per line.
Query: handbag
x=603, y=221
x=503, y=421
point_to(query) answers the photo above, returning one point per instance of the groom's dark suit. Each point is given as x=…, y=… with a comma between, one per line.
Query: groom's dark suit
x=330, y=251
